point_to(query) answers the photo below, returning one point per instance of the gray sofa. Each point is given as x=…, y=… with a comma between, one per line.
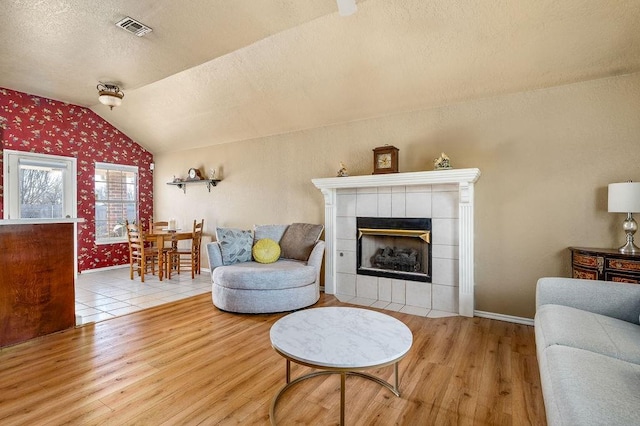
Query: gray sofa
x=588, y=347
x=252, y=287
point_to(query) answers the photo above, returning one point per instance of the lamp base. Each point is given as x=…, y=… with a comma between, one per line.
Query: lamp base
x=630, y=227
x=629, y=248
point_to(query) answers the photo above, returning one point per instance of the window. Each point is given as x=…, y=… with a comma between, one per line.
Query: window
x=39, y=186
x=116, y=191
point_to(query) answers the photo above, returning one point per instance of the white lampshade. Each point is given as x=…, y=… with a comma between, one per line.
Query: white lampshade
x=110, y=99
x=347, y=7
x=624, y=197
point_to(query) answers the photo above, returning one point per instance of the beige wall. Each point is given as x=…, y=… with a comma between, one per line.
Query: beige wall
x=546, y=158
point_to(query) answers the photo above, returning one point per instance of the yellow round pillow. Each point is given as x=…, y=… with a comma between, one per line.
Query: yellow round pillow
x=266, y=251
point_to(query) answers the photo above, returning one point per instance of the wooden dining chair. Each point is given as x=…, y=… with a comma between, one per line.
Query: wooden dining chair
x=140, y=257
x=158, y=224
x=188, y=257
x=169, y=245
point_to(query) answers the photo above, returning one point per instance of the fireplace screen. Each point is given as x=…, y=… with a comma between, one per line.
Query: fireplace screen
x=395, y=248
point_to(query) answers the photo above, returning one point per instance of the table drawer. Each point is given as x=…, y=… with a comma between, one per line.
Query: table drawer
x=623, y=265
x=588, y=261
x=585, y=274
x=621, y=278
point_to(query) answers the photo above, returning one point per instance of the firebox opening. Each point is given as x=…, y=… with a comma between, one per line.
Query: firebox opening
x=394, y=248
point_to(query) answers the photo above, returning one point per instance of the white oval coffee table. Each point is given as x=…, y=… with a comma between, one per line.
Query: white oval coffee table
x=339, y=340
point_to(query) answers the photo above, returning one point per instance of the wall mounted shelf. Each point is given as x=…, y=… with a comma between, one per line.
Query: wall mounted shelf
x=183, y=184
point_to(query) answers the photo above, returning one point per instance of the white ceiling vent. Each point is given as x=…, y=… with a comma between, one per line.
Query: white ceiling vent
x=133, y=26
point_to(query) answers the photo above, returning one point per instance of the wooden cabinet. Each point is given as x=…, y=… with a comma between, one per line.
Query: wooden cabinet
x=605, y=264
x=37, y=275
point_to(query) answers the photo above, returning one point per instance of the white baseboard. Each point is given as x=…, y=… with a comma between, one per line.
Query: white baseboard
x=106, y=268
x=501, y=317
x=109, y=268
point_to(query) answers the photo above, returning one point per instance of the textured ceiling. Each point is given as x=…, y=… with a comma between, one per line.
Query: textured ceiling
x=218, y=71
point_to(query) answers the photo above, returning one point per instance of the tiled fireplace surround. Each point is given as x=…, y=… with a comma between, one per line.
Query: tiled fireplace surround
x=445, y=196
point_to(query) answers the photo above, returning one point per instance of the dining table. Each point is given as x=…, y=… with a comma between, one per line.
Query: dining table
x=161, y=236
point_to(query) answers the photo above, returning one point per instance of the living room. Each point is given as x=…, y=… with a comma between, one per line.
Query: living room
x=542, y=99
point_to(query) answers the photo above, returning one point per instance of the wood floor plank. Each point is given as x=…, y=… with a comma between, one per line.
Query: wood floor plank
x=189, y=363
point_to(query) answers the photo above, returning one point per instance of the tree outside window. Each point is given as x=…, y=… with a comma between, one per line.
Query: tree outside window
x=41, y=192
x=39, y=186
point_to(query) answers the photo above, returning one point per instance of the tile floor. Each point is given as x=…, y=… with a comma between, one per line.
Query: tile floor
x=397, y=307
x=106, y=294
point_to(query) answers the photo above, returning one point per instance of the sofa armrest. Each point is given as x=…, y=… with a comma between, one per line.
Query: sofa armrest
x=315, y=258
x=214, y=254
x=617, y=300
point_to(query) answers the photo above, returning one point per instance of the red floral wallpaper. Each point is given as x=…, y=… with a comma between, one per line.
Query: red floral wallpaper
x=40, y=125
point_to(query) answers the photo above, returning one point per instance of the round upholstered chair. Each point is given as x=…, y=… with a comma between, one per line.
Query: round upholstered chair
x=285, y=283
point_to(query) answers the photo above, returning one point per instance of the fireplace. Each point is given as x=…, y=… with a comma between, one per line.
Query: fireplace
x=394, y=248
x=445, y=196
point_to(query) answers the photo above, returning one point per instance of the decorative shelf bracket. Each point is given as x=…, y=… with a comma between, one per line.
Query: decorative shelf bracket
x=183, y=184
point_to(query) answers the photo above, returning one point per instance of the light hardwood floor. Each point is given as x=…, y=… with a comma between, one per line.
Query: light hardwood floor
x=189, y=363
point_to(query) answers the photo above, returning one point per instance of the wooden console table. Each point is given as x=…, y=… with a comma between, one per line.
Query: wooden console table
x=605, y=264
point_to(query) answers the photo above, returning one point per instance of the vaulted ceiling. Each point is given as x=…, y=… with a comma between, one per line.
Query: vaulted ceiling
x=220, y=71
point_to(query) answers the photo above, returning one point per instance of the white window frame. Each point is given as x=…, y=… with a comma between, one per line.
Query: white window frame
x=11, y=167
x=117, y=167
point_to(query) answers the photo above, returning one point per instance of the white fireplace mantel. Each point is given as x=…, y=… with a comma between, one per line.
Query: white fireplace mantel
x=464, y=178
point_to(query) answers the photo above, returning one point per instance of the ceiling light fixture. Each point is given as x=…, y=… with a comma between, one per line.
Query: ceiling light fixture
x=347, y=7
x=109, y=94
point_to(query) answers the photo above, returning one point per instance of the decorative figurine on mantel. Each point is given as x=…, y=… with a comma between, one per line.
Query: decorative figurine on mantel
x=442, y=162
x=343, y=170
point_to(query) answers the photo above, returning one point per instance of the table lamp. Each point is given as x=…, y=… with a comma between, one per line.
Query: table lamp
x=625, y=198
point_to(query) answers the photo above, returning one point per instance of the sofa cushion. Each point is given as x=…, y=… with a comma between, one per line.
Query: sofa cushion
x=273, y=232
x=235, y=245
x=266, y=251
x=259, y=276
x=298, y=240
x=563, y=325
x=585, y=388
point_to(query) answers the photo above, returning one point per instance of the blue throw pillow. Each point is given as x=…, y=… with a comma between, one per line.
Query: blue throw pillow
x=235, y=245
x=273, y=232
